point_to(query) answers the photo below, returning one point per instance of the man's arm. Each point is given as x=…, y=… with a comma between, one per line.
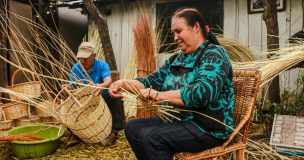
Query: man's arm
x=106, y=83
x=72, y=79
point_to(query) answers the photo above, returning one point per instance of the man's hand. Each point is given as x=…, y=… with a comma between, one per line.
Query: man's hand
x=115, y=89
x=97, y=91
x=66, y=86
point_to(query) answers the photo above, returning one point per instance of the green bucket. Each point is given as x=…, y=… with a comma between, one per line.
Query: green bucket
x=33, y=149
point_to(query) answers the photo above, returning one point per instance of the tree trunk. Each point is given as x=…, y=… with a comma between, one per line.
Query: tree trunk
x=103, y=32
x=271, y=20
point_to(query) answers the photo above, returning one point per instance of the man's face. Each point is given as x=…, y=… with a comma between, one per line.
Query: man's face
x=88, y=63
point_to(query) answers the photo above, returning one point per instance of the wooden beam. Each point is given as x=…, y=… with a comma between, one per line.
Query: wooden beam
x=103, y=30
x=3, y=65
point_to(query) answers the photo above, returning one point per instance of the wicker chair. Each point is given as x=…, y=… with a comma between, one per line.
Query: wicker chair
x=245, y=85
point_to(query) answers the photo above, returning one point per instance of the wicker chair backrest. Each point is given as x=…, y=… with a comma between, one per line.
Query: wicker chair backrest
x=245, y=85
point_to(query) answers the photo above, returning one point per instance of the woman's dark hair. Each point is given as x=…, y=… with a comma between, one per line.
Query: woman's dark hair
x=192, y=16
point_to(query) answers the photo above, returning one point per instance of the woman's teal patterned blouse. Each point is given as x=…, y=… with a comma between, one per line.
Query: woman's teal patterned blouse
x=205, y=82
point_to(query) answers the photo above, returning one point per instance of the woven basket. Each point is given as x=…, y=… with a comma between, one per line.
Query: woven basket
x=85, y=115
x=30, y=89
x=45, y=120
x=47, y=104
x=27, y=121
x=54, y=120
x=15, y=110
x=6, y=124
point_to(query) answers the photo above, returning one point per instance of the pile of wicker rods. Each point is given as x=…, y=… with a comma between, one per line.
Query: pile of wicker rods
x=22, y=137
x=19, y=138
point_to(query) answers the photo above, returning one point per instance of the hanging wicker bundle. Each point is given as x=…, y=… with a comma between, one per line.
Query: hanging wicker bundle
x=31, y=89
x=85, y=115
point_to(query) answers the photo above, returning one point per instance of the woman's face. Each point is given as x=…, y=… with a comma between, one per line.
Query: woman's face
x=186, y=37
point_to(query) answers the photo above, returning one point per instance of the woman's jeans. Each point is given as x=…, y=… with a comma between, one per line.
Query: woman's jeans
x=150, y=138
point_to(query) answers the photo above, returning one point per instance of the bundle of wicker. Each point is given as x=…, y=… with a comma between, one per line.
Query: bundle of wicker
x=85, y=115
x=162, y=111
x=237, y=51
x=19, y=138
x=31, y=89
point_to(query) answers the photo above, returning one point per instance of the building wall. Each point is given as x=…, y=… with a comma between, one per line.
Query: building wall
x=251, y=30
x=73, y=26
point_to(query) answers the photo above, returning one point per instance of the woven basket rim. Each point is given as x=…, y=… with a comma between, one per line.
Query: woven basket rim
x=20, y=84
x=28, y=119
x=6, y=121
x=9, y=104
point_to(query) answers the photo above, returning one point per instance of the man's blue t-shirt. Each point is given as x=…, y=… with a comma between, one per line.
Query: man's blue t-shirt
x=99, y=71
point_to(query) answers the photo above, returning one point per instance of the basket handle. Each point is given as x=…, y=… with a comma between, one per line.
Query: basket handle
x=51, y=93
x=75, y=99
x=18, y=71
x=72, y=96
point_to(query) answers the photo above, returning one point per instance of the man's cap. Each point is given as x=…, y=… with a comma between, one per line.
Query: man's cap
x=85, y=50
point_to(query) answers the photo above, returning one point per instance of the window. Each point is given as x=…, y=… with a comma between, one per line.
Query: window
x=212, y=12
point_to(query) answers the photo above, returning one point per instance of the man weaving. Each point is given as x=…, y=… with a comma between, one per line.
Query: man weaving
x=99, y=72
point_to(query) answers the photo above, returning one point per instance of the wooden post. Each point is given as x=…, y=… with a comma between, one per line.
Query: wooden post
x=3, y=65
x=240, y=154
x=103, y=32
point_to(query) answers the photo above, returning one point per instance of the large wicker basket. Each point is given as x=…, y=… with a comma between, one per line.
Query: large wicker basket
x=29, y=89
x=6, y=124
x=44, y=107
x=85, y=115
x=15, y=110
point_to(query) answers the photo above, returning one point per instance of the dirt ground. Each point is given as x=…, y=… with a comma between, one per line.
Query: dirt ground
x=122, y=150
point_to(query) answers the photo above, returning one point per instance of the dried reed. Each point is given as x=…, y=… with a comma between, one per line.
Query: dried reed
x=237, y=51
x=23, y=137
x=144, y=42
x=19, y=138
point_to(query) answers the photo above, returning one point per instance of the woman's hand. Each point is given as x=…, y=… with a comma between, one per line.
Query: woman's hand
x=115, y=89
x=153, y=93
x=97, y=91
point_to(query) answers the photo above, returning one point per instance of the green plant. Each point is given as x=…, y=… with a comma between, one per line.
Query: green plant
x=291, y=104
x=263, y=117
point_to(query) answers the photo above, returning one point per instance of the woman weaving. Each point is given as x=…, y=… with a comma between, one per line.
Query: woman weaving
x=198, y=79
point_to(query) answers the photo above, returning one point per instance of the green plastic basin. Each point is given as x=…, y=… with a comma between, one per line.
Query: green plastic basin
x=33, y=149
